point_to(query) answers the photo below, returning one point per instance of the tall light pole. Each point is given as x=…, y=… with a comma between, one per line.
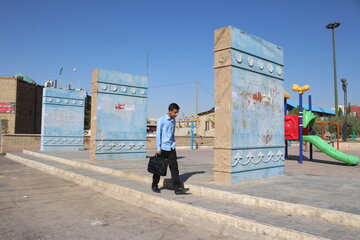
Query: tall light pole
x=332, y=26
x=344, y=87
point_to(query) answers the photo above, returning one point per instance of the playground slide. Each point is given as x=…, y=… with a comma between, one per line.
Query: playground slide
x=330, y=151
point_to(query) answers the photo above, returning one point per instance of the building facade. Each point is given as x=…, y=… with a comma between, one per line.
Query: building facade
x=20, y=105
x=207, y=123
x=355, y=111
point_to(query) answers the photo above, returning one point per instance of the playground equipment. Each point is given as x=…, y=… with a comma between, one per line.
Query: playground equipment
x=331, y=151
x=300, y=90
x=300, y=128
x=192, y=120
x=353, y=136
x=323, y=123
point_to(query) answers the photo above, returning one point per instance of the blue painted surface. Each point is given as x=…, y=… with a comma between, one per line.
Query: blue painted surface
x=250, y=44
x=62, y=123
x=257, y=108
x=192, y=135
x=291, y=105
x=121, y=116
x=286, y=142
x=310, y=129
x=260, y=65
x=300, y=129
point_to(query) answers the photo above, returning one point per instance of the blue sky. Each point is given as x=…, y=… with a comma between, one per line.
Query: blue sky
x=38, y=37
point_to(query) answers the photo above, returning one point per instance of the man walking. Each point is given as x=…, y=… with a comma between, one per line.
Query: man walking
x=166, y=146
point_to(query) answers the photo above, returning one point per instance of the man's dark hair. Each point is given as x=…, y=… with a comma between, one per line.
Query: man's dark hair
x=173, y=106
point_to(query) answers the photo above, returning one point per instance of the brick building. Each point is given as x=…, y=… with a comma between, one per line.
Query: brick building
x=355, y=111
x=20, y=105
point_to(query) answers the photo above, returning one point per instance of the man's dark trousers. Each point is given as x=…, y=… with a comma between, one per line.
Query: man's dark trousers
x=174, y=169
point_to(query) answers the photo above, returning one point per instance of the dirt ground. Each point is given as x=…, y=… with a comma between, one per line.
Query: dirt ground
x=35, y=205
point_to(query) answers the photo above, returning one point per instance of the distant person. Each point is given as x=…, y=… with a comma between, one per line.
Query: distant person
x=166, y=146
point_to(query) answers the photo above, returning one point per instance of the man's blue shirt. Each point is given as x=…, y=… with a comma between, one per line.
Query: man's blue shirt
x=165, y=133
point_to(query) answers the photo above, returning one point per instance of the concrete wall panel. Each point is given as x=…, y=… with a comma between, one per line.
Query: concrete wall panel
x=119, y=114
x=62, y=126
x=249, y=133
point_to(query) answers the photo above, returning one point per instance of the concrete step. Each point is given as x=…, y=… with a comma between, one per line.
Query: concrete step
x=229, y=219
x=293, y=209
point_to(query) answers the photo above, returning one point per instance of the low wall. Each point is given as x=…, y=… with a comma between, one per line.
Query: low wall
x=183, y=142
x=342, y=145
x=19, y=142
x=349, y=145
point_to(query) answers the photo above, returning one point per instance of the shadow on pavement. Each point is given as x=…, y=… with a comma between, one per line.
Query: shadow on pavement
x=147, y=156
x=183, y=178
x=296, y=158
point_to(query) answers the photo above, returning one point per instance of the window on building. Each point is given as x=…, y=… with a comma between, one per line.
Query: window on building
x=207, y=126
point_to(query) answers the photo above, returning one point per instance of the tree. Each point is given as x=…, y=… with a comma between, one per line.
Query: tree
x=348, y=109
x=352, y=121
x=294, y=111
x=340, y=112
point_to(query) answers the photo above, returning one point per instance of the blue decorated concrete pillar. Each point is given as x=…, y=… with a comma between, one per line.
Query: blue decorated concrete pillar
x=62, y=120
x=249, y=107
x=118, y=115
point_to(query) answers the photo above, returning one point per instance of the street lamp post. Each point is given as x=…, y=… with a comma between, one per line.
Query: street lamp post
x=332, y=26
x=344, y=87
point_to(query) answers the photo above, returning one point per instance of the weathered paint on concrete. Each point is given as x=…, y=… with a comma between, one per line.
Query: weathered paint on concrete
x=249, y=134
x=118, y=119
x=62, y=123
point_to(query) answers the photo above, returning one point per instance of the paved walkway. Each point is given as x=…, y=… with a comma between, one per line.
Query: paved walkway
x=35, y=205
x=324, y=182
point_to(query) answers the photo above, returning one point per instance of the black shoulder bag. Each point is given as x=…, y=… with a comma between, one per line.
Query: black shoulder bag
x=158, y=165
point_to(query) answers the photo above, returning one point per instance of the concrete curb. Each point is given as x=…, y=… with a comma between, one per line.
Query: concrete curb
x=331, y=216
x=194, y=216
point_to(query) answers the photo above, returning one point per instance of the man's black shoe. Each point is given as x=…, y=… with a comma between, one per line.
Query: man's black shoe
x=181, y=191
x=155, y=189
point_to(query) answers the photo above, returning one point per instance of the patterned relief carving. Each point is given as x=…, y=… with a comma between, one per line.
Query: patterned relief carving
x=112, y=88
x=120, y=146
x=61, y=141
x=64, y=101
x=261, y=157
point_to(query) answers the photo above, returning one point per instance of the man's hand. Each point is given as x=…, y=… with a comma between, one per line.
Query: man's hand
x=158, y=152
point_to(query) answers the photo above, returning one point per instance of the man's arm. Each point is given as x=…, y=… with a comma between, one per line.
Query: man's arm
x=173, y=133
x=159, y=126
